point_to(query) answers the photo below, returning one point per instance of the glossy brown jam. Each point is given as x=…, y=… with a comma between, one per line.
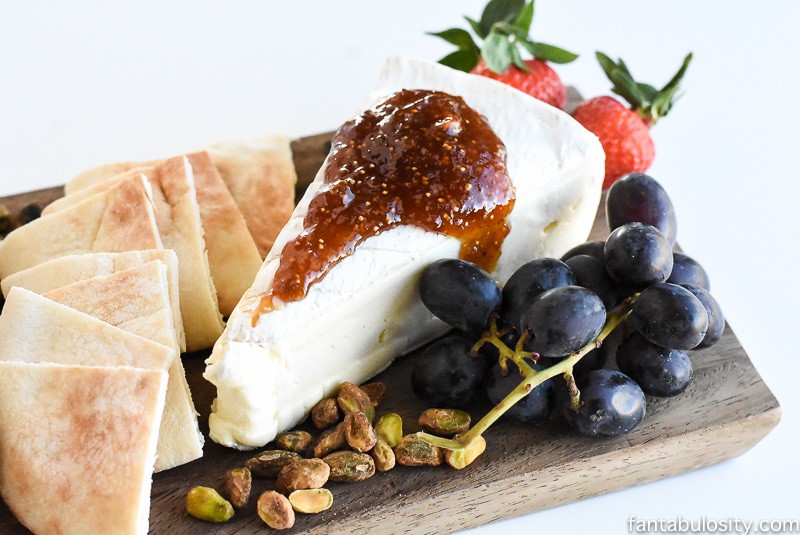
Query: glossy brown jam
x=421, y=158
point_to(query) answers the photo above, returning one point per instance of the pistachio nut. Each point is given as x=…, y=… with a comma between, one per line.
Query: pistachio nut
x=269, y=463
x=349, y=466
x=325, y=413
x=444, y=422
x=390, y=429
x=275, y=510
x=297, y=441
x=383, y=455
x=303, y=474
x=206, y=504
x=238, y=483
x=311, y=501
x=414, y=451
x=358, y=432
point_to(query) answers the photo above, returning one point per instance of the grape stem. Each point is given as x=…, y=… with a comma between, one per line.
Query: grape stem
x=531, y=377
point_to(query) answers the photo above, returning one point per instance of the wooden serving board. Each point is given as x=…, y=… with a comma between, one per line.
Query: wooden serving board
x=725, y=411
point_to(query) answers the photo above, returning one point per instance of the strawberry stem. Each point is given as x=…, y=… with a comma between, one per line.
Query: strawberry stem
x=649, y=103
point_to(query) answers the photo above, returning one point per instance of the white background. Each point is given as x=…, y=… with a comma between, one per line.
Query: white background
x=83, y=83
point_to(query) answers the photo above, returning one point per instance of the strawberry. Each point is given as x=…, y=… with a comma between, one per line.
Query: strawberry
x=625, y=132
x=505, y=27
x=539, y=80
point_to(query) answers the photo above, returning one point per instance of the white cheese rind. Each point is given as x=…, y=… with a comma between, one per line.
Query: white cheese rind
x=366, y=311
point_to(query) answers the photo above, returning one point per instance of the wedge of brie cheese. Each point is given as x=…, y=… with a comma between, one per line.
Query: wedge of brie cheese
x=366, y=311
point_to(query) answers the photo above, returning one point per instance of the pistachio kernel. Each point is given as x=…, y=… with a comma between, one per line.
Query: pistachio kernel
x=390, y=429
x=206, y=504
x=311, y=501
x=325, y=413
x=349, y=466
x=238, y=483
x=459, y=459
x=414, y=451
x=358, y=432
x=269, y=463
x=375, y=391
x=330, y=440
x=275, y=510
x=444, y=422
x=383, y=455
x=303, y=474
x=297, y=441
x=353, y=399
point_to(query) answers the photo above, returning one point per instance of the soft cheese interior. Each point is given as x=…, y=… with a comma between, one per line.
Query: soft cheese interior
x=366, y=311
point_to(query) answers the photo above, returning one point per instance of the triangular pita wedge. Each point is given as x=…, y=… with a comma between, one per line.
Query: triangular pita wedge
x=232, y=253
x=103, y=185
x=36, y=329
x=259, y=174
x=70, y=269
x=137, y=300
x=233, y=257
x=77, y=445
x=120, y=219
x=178, y=218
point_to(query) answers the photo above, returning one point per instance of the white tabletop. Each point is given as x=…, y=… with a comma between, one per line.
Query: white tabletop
x=83, y=83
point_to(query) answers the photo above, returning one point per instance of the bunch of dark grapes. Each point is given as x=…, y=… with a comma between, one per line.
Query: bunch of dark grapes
x=551, y=309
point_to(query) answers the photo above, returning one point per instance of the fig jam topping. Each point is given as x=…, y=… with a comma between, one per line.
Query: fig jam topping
x=421, y=158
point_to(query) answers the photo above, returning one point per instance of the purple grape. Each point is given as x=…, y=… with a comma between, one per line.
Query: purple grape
x=686, y=270
x=716, y=320
x=460, y=293
x=612, y=404
x=659, y=371
x=637, y=255
x=639, y=198
x=670, y=316
x=529, y=281
x=563, y=320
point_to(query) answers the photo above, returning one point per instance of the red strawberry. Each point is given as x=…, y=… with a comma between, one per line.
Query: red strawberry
x=624, y=135
x=541, y=81
x=625, y=132
x=504, y=27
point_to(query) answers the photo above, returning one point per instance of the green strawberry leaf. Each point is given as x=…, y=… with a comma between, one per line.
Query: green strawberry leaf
x=500, y=11
x=648, y=92
x=547, y=52
x=517, y=60
x=476, y=27
x=525, y=18
x=663, y=101
x=606, y=63
x=497, y=52
x=625, y=87
x=650, y=103
x=461, y=60
x=461, y=38
x=509, y=29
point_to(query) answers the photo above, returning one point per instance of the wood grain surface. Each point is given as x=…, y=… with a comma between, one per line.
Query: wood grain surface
x=725, y=411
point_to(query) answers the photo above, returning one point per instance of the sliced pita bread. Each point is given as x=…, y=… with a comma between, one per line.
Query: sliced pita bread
x=120, y=219
x=101, y=186
x=178, y=218
x=36, y=329
x=259, y=174
x=70, y=269
x=233, y=257
x=77, y=445
x=261, y=177
x=137, y=300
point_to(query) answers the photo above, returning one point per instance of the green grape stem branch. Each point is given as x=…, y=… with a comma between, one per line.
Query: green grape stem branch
x=531, y=377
